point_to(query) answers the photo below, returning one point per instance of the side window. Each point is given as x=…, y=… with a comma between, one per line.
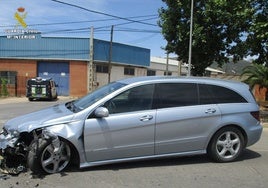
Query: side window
x=135, y=99
x=205, y=95
x=224, y=95
x=176, y=95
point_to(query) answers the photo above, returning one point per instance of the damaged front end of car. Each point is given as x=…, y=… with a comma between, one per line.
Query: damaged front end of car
x=15, y=148
x=13, y=152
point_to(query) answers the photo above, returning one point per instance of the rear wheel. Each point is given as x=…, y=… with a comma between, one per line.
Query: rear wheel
x=44, y=157
x=226, y=145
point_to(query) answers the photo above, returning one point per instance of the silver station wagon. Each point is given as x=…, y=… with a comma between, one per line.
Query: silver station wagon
x=136, y=119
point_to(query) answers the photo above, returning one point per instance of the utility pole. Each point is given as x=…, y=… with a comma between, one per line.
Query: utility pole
x=110, y=55
x=167, y=64
x=190, y=40
x=179, y=68
x=90, y=63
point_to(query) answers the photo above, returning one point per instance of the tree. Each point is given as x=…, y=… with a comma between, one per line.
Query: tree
x=257, y=40
x=257, y=79
x=219, y=30
x=256, y=75
x=4, y=91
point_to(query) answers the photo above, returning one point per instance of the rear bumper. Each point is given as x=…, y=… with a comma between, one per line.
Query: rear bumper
x=254, y=134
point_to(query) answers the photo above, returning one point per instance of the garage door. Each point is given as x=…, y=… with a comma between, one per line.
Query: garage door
x=59, y=72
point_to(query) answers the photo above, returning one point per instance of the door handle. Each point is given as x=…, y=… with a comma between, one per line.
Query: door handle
x=210, y=111
x=146, y=118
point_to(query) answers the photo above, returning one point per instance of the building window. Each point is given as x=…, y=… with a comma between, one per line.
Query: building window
x=167, y=74
x=10, y=76
x=129, y=71
x=151, y=73
x=102, y=68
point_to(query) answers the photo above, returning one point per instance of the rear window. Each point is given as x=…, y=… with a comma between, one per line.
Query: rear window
x=217, y=94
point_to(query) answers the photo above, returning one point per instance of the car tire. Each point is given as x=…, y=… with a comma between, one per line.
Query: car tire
x=30, y=99
x=43, y=159
x=226, y=145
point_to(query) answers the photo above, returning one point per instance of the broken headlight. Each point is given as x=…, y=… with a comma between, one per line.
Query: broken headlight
x=8, y=138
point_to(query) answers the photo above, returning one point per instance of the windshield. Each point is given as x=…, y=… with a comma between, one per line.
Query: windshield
x=93, y=97
x=33, y=82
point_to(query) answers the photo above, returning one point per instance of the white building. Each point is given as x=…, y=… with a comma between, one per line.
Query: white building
x=159, y=66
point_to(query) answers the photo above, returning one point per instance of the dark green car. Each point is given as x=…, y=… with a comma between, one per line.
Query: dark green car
x=40, y=88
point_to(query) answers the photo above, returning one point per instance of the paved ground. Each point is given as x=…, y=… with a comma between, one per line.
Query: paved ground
x=12, y=100
x=198, y=171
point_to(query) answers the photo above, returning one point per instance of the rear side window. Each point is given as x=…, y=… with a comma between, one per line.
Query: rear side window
x=176, y=94
x=217, y=94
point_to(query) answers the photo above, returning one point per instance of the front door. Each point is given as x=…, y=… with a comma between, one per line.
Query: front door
x=127, y=132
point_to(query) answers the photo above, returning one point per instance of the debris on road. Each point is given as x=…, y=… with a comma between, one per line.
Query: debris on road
x=9, y=168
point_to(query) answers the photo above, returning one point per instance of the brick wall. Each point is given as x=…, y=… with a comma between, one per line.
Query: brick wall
x=25, y=69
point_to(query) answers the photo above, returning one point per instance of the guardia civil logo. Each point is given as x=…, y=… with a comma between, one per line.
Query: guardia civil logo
x=20, y=16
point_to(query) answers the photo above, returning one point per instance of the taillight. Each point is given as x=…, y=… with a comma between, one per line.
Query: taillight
x=256, y=115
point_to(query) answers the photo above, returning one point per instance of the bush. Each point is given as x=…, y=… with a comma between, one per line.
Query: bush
x=4, y=91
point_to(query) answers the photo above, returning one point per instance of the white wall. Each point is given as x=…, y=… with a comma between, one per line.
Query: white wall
x=157, y=64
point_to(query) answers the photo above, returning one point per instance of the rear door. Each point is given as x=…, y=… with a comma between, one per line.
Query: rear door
x=183, y=123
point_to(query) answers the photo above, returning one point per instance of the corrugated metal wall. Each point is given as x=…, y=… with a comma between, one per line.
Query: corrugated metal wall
x=121, y=54
x=62, y=48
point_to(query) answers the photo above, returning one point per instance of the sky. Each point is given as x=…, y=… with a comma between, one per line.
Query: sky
x=135, y=21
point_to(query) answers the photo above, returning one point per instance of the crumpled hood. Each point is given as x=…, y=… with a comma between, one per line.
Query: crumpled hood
x=53, y=115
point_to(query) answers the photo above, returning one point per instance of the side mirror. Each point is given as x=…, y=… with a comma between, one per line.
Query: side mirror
x=101, y=112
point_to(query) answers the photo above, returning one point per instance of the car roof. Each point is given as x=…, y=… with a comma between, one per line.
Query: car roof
x=155, y=79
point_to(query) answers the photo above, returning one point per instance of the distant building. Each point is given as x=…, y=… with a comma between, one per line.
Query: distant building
x=172, y=67
x=66, y=60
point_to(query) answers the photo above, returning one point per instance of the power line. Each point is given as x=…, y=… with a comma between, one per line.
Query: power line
x=97, y=29
x=125, y=23
x=86, y=29
x=131, y=30
x=85, y=21
x=105, y=14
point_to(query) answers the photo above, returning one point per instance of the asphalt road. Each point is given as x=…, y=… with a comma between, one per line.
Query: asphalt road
x=251, y=171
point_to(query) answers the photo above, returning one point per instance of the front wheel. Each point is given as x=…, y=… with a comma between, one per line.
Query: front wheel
x=226, y=145
x=45, y=157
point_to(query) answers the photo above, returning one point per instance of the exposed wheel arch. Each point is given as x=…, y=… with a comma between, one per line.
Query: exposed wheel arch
x=75, y=159
x=48, y=155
